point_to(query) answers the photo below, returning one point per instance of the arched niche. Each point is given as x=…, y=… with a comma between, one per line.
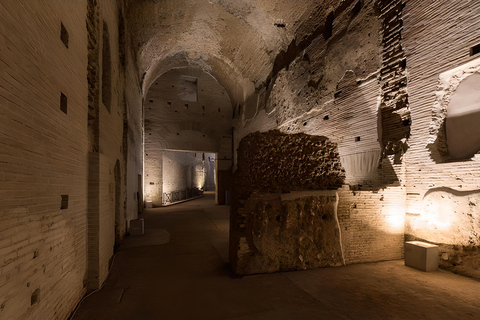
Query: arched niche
x=462, y=123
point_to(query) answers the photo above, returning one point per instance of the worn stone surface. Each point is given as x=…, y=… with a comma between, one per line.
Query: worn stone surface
x=277, y=162
x=200, y=33
x=394, y=106
x=281, y=235
x=268, y=234
x=462, y=142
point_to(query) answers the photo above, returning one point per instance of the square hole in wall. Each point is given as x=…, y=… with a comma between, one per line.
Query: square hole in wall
x=64, y=204
x=475, y=50
x=63, y=102
x=187, y=87
x=357, y=139
x=64, y=35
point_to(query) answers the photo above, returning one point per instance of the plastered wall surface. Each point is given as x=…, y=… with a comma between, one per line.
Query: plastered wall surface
x=49, y=135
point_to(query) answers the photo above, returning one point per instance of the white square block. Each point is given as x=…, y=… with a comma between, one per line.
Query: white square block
x=137, y=227
x=421, y=255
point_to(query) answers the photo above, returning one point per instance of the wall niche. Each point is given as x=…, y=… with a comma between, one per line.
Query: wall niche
x=463, y=116
x=454, y=130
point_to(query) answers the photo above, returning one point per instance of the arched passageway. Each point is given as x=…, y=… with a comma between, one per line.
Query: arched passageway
x=188, y=114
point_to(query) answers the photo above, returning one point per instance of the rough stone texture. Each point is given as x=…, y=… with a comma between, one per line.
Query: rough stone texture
x=277, y=162
x=294, y=234
x=464, y=128
x=450, y=219
x=334, y=89
x=265, y=234
x=331, y=90
x=200, y=33
x=340, y=70
x=313, y=78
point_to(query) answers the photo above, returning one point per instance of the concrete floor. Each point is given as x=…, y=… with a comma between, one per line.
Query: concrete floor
x=177, y=271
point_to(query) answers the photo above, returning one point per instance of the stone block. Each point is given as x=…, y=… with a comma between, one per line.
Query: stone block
x=421, y=255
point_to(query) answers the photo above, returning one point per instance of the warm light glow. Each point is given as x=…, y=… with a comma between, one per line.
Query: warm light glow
x=396, y=219
x=437, y=215
x=200, y=176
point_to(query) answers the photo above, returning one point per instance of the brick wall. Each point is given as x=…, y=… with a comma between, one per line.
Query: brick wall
x=182, y=170
x=437, y=39
x=42, y=156
x=45, y=150
x=153, y=175
x=110, y=136
x=335, y=88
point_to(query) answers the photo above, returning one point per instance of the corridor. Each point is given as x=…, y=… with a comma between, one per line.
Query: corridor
x=177, y=271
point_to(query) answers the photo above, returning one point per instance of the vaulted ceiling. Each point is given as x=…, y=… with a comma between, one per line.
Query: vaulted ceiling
x=187, y=109
x=239, y=42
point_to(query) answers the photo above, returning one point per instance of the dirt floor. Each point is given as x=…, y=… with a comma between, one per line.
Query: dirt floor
x=178, y=270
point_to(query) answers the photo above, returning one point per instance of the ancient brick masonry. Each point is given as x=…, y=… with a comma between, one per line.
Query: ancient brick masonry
x=394, y=107
x=442, y=193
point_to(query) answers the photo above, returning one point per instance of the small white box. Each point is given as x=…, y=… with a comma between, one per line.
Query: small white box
x=137, y=227
x=421, y=255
